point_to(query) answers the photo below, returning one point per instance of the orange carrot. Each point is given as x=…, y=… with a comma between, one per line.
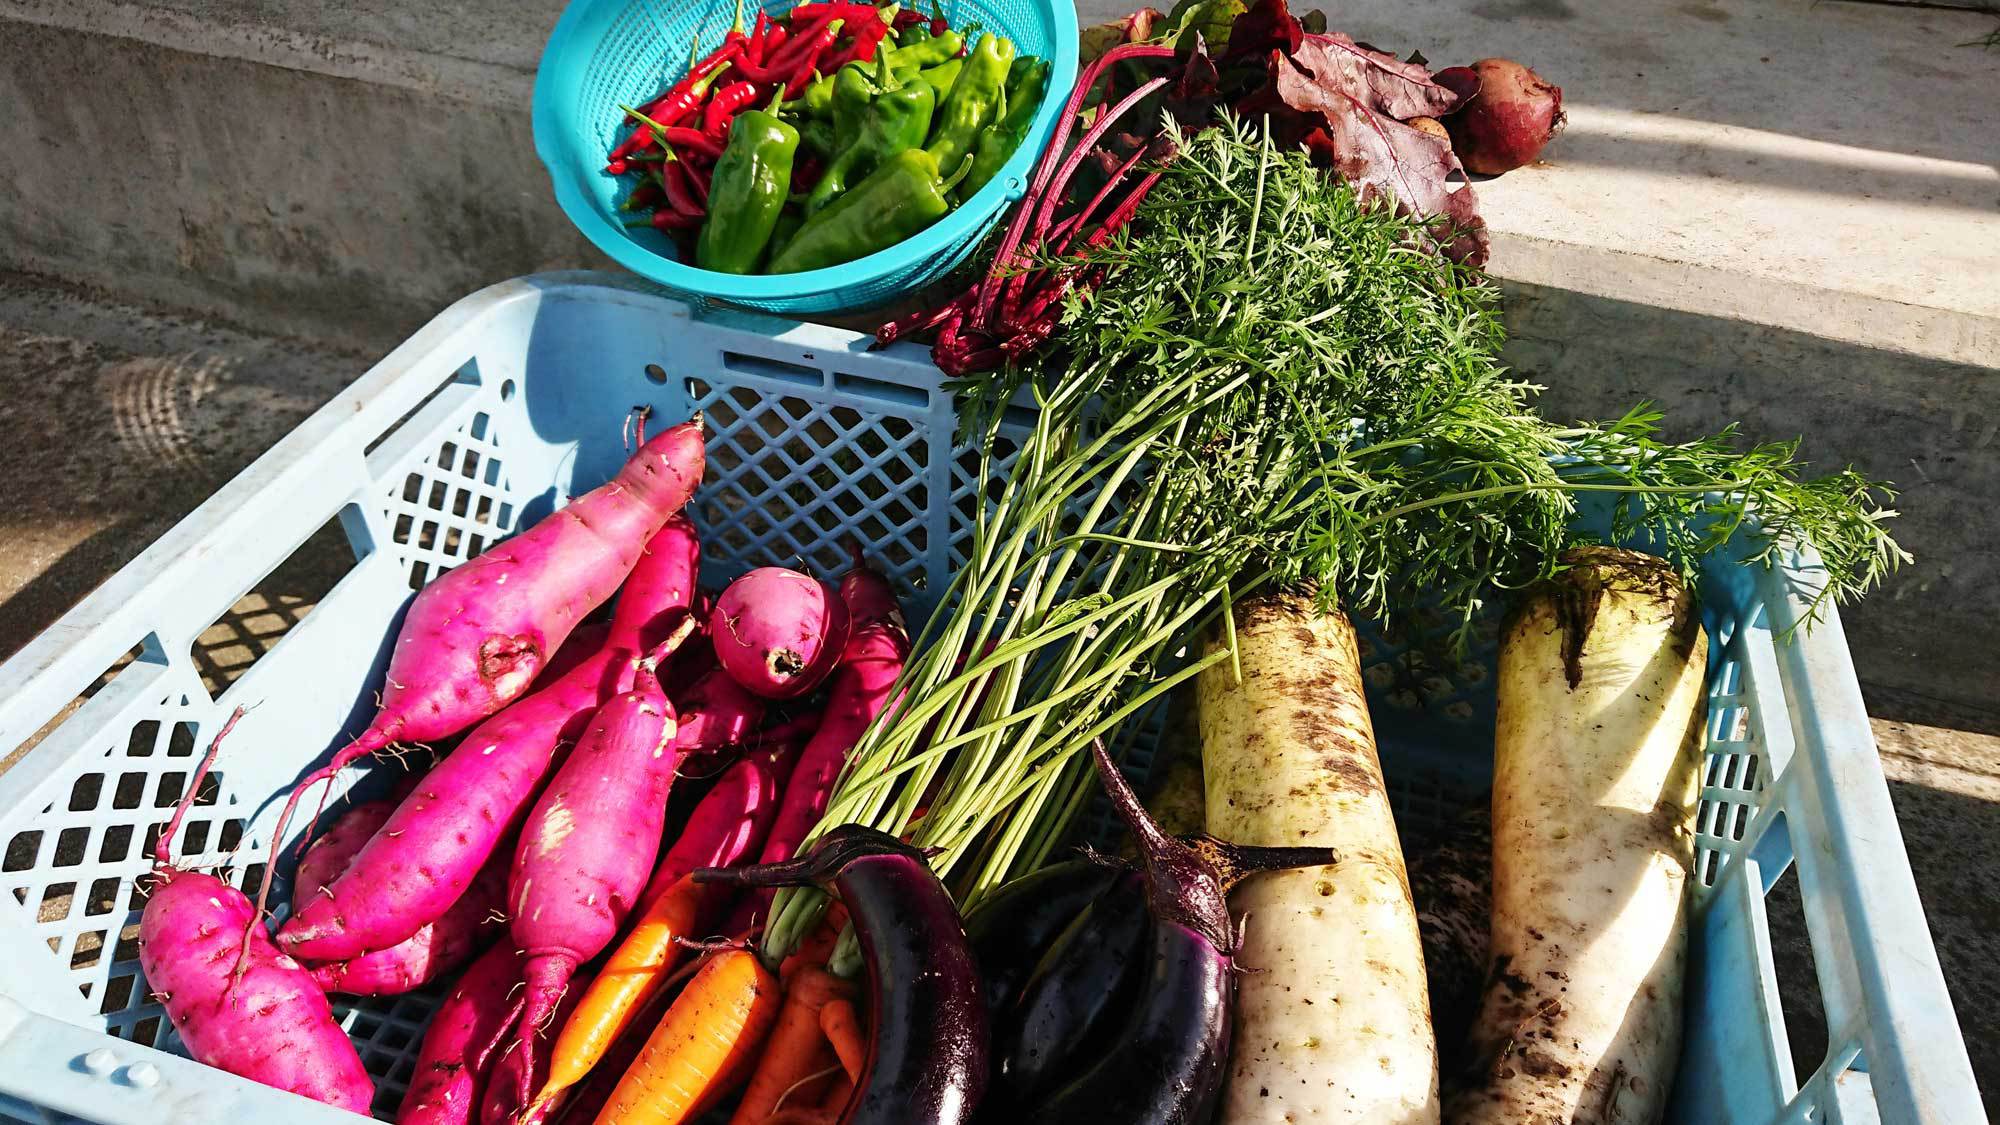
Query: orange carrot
x=818, y=945
x=637, y=967
x=797, y=1050
x=704, y=1046
x=843, y=1029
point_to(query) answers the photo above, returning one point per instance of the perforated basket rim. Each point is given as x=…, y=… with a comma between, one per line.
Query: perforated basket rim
x=942, y=240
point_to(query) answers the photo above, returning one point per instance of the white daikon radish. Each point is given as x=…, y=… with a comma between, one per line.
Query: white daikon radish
x=1598, y=743
x=1333, y=1023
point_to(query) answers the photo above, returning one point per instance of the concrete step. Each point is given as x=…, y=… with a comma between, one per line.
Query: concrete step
x=1780, y=213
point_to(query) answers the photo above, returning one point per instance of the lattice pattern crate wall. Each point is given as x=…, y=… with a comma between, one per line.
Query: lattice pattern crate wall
x=513, y=401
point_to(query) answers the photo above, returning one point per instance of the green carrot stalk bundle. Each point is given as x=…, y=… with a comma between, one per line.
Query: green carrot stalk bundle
x=1276, y=381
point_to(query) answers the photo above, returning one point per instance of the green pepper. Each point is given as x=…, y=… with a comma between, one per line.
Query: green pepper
x=852, y=93
x=942, y=77
x=930, y=52
x=818, y=137
x=974, y=101
x=896, y=117
x=788, y=225
x=913, y=35
x=817, y=101
x=752, y=177
x=1027, y=84
x=897, y=200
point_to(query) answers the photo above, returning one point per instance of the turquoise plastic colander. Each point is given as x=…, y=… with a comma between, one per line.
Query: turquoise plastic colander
x=607, y=52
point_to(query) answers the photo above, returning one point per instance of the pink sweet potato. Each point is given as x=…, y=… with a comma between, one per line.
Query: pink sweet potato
x=715, y=713
x=434, y=950
x=458, y=1047
x=475, y=638
x=779, y=632
x=425, y=857
x=330, y=854
x=589, y=844
x=729, y=825
x=258, y=1015
x=501, y=1101
x=862, y=682
x=585, y=642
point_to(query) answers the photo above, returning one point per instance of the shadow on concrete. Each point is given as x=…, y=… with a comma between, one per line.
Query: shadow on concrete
x=1820, y=173
x=81, y=569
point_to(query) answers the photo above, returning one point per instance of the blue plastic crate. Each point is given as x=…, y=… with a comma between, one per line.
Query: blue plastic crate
x=604, y=53
x=512, y=400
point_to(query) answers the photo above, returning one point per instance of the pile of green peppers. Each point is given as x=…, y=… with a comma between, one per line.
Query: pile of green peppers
x=898, y=142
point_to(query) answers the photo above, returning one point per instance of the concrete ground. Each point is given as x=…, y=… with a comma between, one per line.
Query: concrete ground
x=121, y=420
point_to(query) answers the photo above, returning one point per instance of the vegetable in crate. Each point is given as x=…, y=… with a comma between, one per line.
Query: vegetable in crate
x=434, y=950
x=901, y=198
x=703, y=1049
x=726, y=827
x=888, y=116
x=253, y=1011
x=877, y=646
x=1075, y=998
x=778, y=632
x=1333, y=1014
x=751, y=181
x=457, y=1053
x=443, y=833
x=589, y=844
x=1596, y=775
x=927, y=1018
x=1167, y=1061
x=475, y=638
x=1011, y=928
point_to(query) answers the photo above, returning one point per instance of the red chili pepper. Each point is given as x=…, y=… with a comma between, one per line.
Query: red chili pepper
x=700, y=178
x=666, y=220
x=647, y=194
x=907, y=17
x=801, y=54
x=938, y=23
x=776, y=37
x=723, y=108
x=860, y=49
x=677, y=107
x=680, y=192
x=698, y=73
x=753, y=51
x=796, y=88
x=833, y=9
x=682, y=142
x=736, y=32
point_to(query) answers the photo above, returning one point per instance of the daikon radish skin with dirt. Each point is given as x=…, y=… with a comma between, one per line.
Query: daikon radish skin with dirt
x=1594, y=787
x=1333, y=1019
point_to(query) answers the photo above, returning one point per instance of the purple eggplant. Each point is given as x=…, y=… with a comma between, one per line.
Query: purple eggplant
x=927, y=1044
x=1166, y=1064
x=1011, y=928
x=1076, y=996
